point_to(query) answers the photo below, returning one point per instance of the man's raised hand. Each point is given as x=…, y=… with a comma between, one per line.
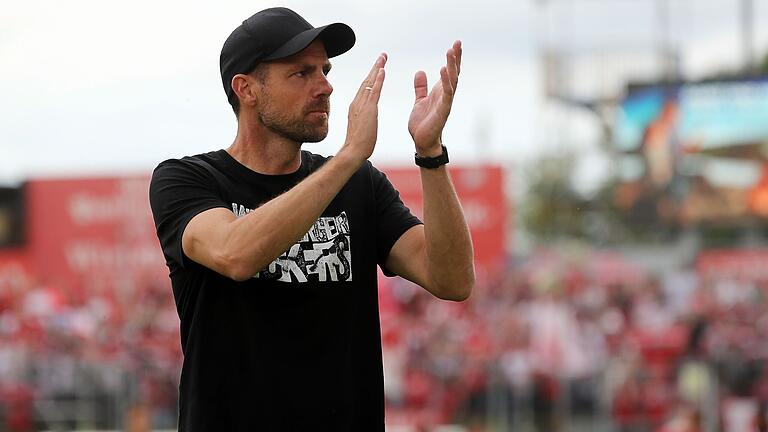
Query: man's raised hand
x=431, y=110
x=363, y=120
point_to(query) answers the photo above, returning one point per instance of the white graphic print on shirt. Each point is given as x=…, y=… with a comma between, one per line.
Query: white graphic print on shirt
x=322, y=254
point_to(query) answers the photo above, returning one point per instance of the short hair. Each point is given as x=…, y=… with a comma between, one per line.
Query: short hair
x=260, y=73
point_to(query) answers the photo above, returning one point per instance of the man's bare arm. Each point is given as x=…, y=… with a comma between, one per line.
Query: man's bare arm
x=240, y=247
x=437, y=256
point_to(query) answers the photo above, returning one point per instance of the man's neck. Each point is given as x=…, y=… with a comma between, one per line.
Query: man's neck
x=265, y=152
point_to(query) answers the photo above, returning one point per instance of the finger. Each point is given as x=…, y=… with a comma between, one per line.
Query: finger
x=420, y=85
x=451, y=67
x=446, y=81
x=378, y=64
x=381, y=60
x=378, y=83
x=458, y=51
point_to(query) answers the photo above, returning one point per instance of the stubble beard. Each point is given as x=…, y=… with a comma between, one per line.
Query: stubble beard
x=297, y=130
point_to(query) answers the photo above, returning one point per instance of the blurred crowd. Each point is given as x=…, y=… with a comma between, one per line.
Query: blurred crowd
x=99, y=357
x=586, y=343
x=549, y=344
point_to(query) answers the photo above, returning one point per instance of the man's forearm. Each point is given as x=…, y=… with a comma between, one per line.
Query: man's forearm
x=448, y=243
x=255, y=240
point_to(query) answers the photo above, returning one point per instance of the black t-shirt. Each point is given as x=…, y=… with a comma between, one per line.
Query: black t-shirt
x=298, y=346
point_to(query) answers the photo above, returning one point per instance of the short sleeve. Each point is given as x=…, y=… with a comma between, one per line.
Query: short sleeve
x=393, y=218
x=179, y=190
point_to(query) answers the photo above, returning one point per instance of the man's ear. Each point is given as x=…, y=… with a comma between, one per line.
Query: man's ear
x=244, y=87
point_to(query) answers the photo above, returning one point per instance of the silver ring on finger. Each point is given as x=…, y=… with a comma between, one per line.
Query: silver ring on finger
x=369, y=88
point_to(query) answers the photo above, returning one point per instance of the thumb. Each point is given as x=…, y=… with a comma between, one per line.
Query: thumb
x=420, y=85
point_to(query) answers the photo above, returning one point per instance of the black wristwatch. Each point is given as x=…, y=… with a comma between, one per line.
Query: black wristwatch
x=432, y=162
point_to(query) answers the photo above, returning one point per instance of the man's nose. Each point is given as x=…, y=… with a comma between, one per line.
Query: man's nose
x=324, y=87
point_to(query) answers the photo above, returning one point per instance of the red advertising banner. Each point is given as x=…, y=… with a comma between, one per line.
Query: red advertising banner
x=14, y=265
x=481, y=192
x=83, y=231
x=99, y=231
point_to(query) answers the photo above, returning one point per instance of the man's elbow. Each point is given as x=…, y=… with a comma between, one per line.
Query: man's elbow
x=456, y=296
x=234, y=267
x=459, y=290
x=238, y=275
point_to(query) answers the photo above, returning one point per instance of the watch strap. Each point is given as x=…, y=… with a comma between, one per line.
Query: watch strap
x=432, y=162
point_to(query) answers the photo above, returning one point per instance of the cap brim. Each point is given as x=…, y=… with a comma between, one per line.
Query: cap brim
x=338, y=38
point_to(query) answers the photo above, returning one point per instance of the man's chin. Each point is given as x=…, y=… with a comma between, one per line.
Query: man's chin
x=304, y=134
x=316, y=138
x=317, y=135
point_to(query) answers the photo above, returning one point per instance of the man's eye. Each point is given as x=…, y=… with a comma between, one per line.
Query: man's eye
x=301, y=73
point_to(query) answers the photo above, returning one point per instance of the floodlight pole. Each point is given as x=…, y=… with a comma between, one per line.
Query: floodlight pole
x=747, y=35
x=667, y=63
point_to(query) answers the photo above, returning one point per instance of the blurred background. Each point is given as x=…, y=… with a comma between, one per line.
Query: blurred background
x=611, y=157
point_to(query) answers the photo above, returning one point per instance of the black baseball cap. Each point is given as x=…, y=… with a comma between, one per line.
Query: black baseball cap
x=273, y=34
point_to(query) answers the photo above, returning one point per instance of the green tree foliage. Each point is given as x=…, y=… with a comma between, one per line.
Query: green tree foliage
x=552, y=209
x=764, y=65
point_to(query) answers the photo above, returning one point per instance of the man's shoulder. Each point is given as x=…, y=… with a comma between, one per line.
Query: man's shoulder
x=208, y=158
x=200, y=164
